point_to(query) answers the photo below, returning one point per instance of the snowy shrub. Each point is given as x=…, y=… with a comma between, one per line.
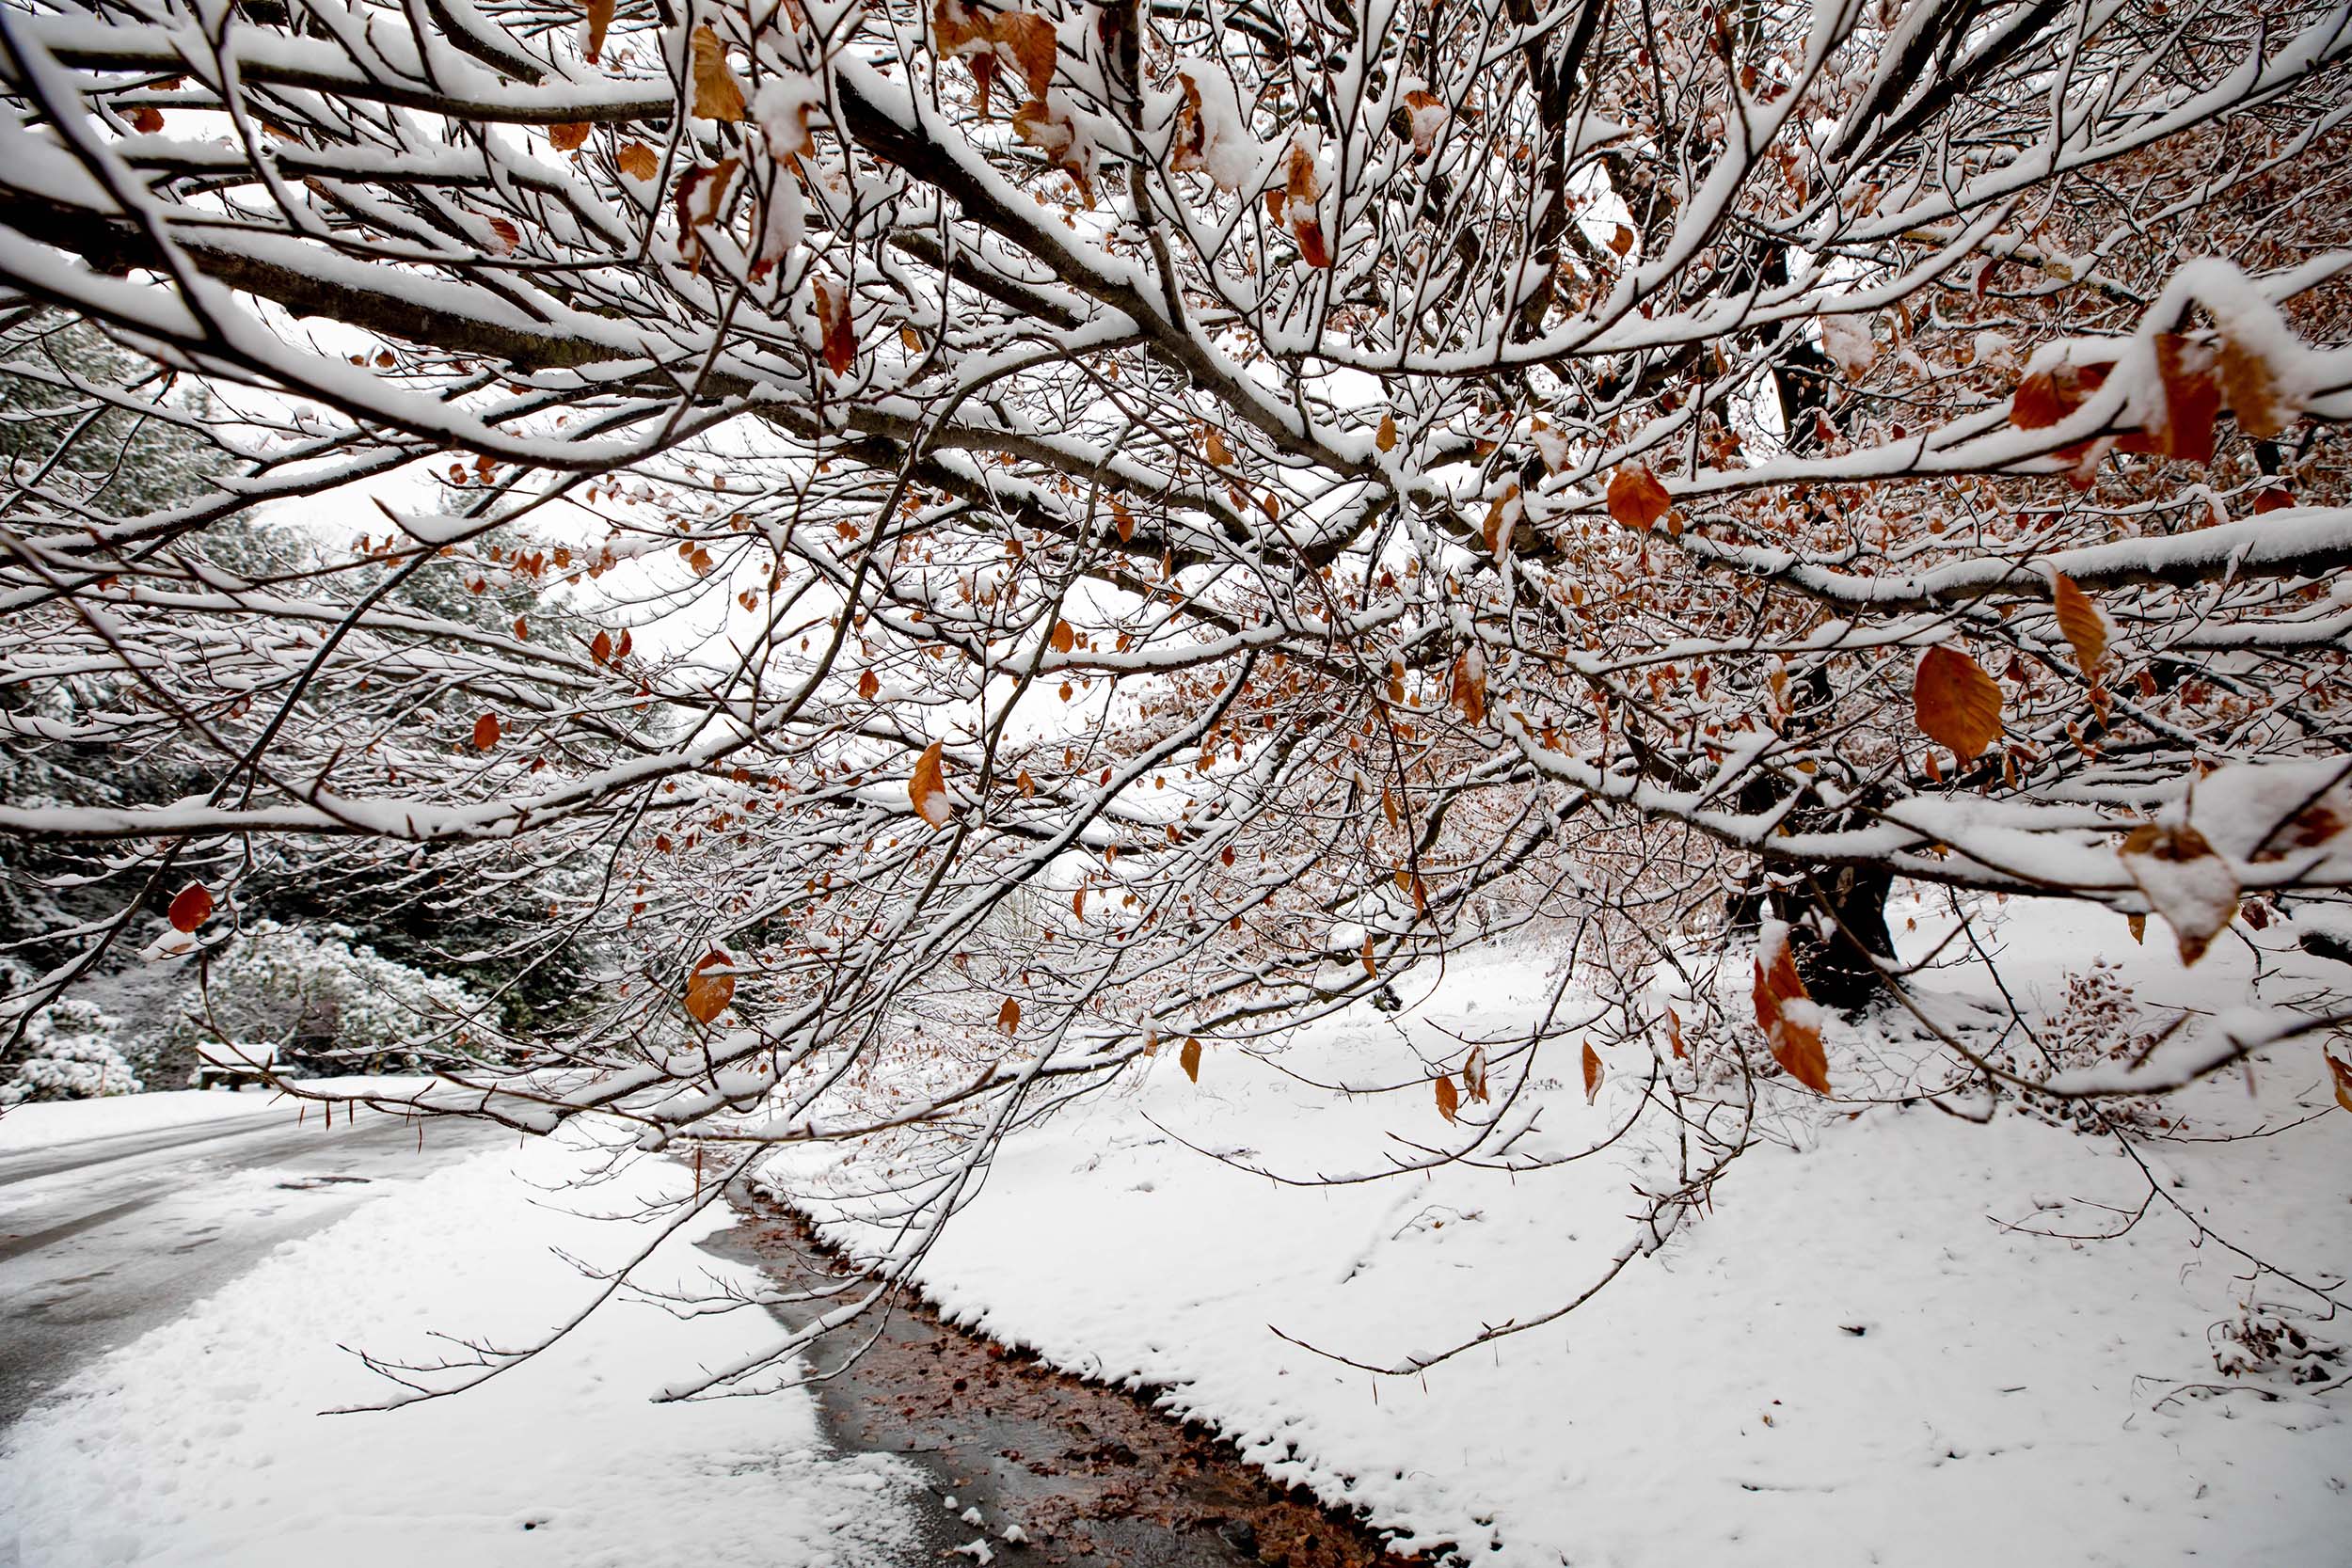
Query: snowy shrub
x=2268, y=1340
x=2097, y=1020
x=72, y=1057
x=321, y=997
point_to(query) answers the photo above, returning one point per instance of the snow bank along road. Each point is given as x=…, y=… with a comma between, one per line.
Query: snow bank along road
x=102, y=1239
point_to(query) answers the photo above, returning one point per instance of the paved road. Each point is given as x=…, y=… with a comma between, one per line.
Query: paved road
x=102, y=1240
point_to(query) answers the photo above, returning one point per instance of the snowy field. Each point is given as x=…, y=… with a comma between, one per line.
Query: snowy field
x=1864, y=1355
x=203, y=1443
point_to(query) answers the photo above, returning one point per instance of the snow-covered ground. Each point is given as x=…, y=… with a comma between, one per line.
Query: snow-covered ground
x=1882, y=1346
x=45, y=1124
x=1863, y=1355
x=202, y=1443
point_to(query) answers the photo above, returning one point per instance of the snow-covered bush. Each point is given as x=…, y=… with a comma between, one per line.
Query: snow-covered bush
x=2275, y=1342
x=321, y=997
x=72, y=1057
x=2096, y=1021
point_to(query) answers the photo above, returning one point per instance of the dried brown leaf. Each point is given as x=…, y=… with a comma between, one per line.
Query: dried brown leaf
x=638, y=161
x=1791, y=1032
x=2185, y=881
x=927, y=788
x=1636, y=499
x=2255, y=400
x=2079, y=620
x=710, y=988
x=717, y=93
x=2192, y=398
x=1957, y=704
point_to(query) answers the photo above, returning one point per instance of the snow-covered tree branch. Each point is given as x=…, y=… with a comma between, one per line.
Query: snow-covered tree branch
x=1024, y=537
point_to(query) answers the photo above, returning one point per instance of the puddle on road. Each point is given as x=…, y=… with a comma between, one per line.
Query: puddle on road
x=1094, y=1477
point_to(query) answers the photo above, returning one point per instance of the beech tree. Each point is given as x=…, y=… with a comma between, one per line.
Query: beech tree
x=1215, y=505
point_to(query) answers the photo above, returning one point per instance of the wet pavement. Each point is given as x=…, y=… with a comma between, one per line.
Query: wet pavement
x=1093, y=1477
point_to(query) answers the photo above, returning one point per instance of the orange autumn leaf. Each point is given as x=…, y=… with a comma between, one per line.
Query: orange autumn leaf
x=638, y=161
x=1474, y=1075
x=599, y=24
x=485, y=732
x=2342, y=1076
x=2185, y=880
x=2079, y=620
x=2255, y=401
x=1064, y=636
x=2045, y=397
x=711, y=182
x=927, y=788
x=1787, y=1017
x=1425, y=114
x=1008, y=1017
x=1469, y=692
x=1448, y=1102
x=1594, y=1073
x=1301, y=189
x=717, y=93
x=1385, y=437
x=2192, y=398
x=868, y=685
x=568, y=137
x=1031, y=40
x=709, y=989
x=1497, y=530
x=832, y=315
x=1957, y=704
x=190, y=908
x=1189, y=1059
x=1636, y=499
x=1045, y=127
x=953, y=31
